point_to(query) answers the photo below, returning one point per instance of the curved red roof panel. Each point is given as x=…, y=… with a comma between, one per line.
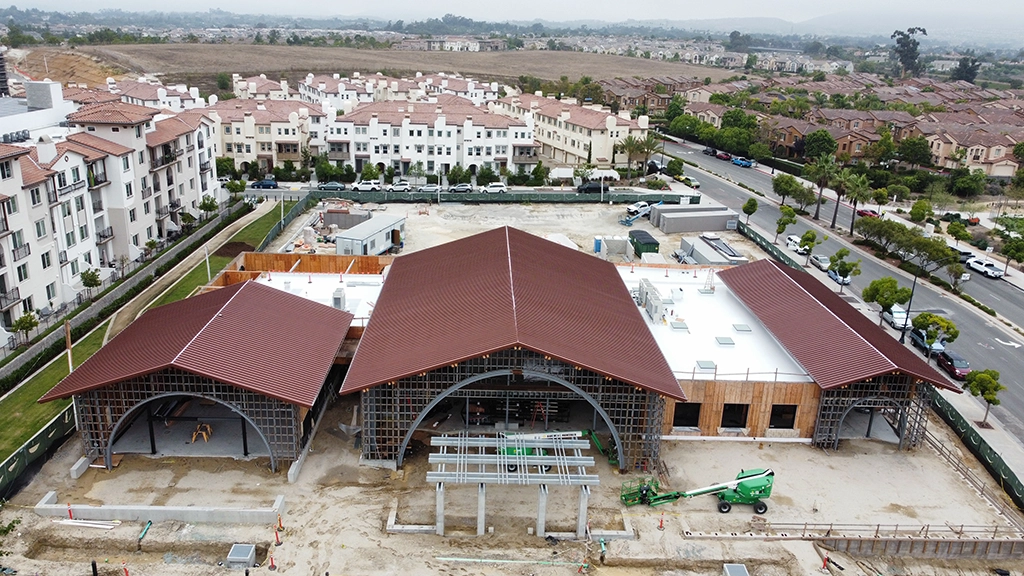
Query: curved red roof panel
x=500, y=289
x=834, y=342
x=247, y=335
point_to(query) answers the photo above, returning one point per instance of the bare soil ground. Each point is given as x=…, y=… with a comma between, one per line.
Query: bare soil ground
x=200, y=63
x=337, y=510
x=65, y=65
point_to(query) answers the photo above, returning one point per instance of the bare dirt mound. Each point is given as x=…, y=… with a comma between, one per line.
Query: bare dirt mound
x=232, y=249
x=62, y=65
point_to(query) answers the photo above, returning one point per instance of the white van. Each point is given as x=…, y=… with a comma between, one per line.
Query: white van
x=793, y=243
x=897, y=317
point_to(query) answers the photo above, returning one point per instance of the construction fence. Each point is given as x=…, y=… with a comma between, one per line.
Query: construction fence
x=50, y=435
x=299, y=207
x=989, y=458
x=568, y=196
x=766, y=245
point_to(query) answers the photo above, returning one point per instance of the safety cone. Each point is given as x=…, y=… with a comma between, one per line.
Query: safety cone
x=124, y=566
x=277, y=538
x=70, y=515
x=824, y=562
x=310, y=278
x=272, y=566
x=630, y=268
x=280, y=526
x=661, y=523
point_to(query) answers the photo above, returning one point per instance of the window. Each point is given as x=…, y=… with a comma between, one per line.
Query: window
x=238, y=130
x=191, y=183
x=145, y=208
x=149, y=233
x=87, y=257
x=74, y=267
x=17, y=239
x=135, y=240
x=687, y=415
x=142, y=158
x=79, y=203
x=138, y=131
x=227, y=147
x=783, y=416
x=45, y=259
x=65, y=208
x=248, y=149
x=76, y=174
x=22, y=272
x=40, y=227
x=27, y=306
x=189, y=162
x=62, y=180
x=131, y=215
x=128, y=190
x=395, y=149
x=735, y=415
x=6, y=171
x=69, y=237
x=227, y=130
x=83, y=231
x=51, y=290
x=36, y=196
x=126, y=163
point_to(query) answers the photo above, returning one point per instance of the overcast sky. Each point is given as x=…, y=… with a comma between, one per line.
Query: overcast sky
x=493, y=10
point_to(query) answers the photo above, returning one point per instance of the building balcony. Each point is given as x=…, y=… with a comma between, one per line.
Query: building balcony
x=339, y=155
x=161, y=161
x=162, y=212
x=51, y=197
x=71, y=188
x=9, y=299
x=174, y=205
x=105, y=235
x=204, y=166
x=147, y=192
x=21, y=252
x=5, y=228
x=97, y=206
x=97, y=181
x=190, y=147
x=62, y=257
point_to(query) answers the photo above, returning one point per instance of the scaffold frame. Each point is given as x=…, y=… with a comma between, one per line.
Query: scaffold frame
x=903, y=403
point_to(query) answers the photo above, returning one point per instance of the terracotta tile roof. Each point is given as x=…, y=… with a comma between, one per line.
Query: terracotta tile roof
x=263, y=111
x=456, y=110
x=578, y=115
x=147, y=91
x=251, y=336
x=90, y=154
x=8, y=151
x=169, y=129
x=101, y=144
x=500, y=289
x=120, y=113
x=857, y=348
x=89, y=95
x=32, y=172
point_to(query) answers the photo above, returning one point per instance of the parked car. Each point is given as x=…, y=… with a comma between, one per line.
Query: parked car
x=986, y=267
x=954, y=364
x=593, y=187
x=461, y=188
x=841, y=280
x=691, y=182
x=965, y=255
x=710, y=151
x=793, y=243
x=400, y=186
x=330, y=186
x=743, y=162
x=223, y=178
x=636, y=208
x=896, y=317
x=366, y=186
x=723, y=156
x=867, y=213
x=655, y=167
x=495, y=188
x=918, y=339
x=266, y=183
x=820, y=262
x=429, y=188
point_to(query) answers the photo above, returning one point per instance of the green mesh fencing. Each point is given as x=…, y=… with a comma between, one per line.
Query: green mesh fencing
x=766, y=245
x=54, y=432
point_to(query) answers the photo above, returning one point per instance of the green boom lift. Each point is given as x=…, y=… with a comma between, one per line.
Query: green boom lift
x=610, y=453
x=749, y=487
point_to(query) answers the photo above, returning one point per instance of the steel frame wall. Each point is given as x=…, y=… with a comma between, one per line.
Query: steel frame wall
x=389, y=409
x=99, y=411
x=903, y=401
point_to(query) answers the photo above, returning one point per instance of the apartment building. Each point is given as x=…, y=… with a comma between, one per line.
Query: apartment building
x=571, y=135
x=267, y=132
x=476, y=92
x=178, y=97
x=182, y=168
x=342, y=94
x=260, y=88
x=710, y=113
x=437, y=135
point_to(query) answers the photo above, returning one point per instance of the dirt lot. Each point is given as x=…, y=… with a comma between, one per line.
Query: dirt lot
x=64, y=65
x=336, y=512
x=200, y=63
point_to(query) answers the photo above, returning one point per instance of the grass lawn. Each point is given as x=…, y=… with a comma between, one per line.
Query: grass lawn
x=254, y=233
x=21, y=416
x=196, y=277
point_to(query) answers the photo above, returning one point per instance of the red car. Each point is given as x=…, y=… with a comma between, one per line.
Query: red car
x=867, y=213
x=723, y=156
x=954, y=364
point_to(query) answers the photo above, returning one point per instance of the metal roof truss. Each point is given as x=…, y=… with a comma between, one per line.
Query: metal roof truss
x=512, y=460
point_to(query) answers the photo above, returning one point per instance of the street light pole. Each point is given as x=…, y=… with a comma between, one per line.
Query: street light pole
x=903, y=330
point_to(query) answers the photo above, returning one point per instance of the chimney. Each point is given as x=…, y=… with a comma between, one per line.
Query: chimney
x=284, y=86
x=410, y=108
x=323, y=86
x=46, y=150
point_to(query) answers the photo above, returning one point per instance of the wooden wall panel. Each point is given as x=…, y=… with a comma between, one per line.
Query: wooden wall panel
x=761, y=396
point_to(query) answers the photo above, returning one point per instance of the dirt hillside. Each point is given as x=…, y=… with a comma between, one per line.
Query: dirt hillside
x=65, y=65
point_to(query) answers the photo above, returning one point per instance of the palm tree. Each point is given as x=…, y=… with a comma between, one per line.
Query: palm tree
x=631, y=147
x=859, y=191
x=650, y=145
x=821, y=172
x=841, y=185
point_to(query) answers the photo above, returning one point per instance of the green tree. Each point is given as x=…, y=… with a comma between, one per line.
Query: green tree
x=583, y=171
x=906, y=51
x=235, y=187
x=223, y=81
x=785, y=185
x=674, y=167
x=921, y=210
x=7, y=528
x=749, y=208
x=809, y=241
x=389, y=175
x=759, y=151
x=188, y=220
x=819, y=143
x=841, y=184
x=633, y=148
x=1018, y=151
x=966, y=70
x=885, y=292
x=958, y=231
x=1013, y=249
x=936, y=329
x=226, y=167
x=859, y=191
x=370, y=172
x=787, y=219
x=25, y=324
x=984, y=383
x=149, y=247
x=273, y=36
x=208, y=204
x=915, y=151
x=955, y=271
x=90, y=280
x=927, y=252
x=821, y=172
x=883, y=150
x=842, y=267
x=650, y=145
x=899, y=192
x=675, y=108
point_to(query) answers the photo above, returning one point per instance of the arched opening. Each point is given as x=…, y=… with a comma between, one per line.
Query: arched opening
x=507, y=373
x=381, y=168
x=472, y=169
x=864, y=422
x=227, y=434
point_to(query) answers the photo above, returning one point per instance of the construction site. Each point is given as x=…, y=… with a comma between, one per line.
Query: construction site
x=507, y=389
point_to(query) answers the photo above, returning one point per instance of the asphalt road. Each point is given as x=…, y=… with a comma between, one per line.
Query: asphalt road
x=981, y=341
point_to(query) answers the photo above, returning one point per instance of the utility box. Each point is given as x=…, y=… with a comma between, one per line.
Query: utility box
x=241, y=556
x=642, y=242
x=735, y=570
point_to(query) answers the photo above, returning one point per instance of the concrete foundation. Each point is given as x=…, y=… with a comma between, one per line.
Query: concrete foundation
x=542, y=509
x=49, y=506
x=393, y=527
x=481, y=506
x=79, y=468
x=439, y=511
x=581, y=521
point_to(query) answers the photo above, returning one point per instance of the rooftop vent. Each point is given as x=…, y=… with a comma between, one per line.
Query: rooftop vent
x=742, y=328
x=724, y=340
x=705, y=365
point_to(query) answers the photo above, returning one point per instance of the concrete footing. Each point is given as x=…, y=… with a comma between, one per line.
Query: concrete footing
x=80, y=467
x=49, y=506
x=542, y=509
x=394, y=528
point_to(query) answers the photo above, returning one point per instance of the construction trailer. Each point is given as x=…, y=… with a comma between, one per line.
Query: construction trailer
x=378, y=235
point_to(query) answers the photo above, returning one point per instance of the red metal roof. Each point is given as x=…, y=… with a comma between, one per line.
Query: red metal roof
x=834, y=342
x=247, y=335
x=500, y=289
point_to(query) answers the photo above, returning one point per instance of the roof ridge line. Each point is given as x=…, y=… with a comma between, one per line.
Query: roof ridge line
x=174, y=360
x=834, y=315
x=512, y=286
